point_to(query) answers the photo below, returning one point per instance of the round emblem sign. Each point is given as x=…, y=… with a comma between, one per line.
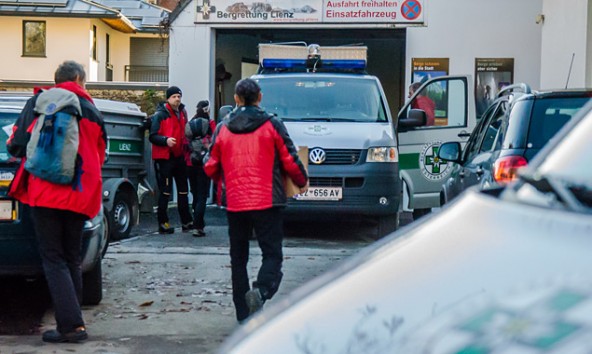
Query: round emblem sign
x=430, y=165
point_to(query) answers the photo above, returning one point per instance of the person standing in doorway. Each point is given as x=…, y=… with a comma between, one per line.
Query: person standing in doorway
x=167, y=135
x=250, y=151
x=199, y=133
x=60, y=210
x=424, y=103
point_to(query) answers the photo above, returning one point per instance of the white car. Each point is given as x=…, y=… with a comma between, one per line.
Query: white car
x=501, y=271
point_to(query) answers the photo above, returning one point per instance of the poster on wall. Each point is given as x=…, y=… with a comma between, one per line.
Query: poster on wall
x=491, y=75
x=310, y=11
x=423, y=69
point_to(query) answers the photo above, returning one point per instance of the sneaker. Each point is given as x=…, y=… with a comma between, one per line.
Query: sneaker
x=254, y=300
x=165, y=228
x=199, y=233
x=187, y=227
x=53, y=336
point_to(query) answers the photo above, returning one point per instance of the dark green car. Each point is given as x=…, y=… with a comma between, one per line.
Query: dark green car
x=19, y=255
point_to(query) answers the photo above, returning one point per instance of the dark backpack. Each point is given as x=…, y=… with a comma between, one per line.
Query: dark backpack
x=52, y=151
x=196, y=130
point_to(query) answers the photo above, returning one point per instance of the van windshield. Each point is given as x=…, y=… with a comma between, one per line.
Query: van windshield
x=6, y=122
x=332, y=99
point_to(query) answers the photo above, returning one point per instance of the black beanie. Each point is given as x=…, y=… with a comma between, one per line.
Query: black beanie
x=173, y=90
x=202, y=104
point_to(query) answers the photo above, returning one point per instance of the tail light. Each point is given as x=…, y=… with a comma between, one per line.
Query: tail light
x=506, y=168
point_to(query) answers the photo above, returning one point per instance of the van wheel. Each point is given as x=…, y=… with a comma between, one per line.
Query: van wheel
x=387, y=224
x=121, y=216
x=418, y=213
x=92, y=285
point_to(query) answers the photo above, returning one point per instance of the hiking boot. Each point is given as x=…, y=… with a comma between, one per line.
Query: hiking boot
x=187, y=227
x=53, y=336
x=165, y=228
x=254, y=300
x=199, y=233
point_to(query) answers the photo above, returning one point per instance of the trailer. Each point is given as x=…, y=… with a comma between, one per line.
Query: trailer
x=125, y=172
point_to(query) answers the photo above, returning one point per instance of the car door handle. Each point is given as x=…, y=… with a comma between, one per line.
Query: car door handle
x=479, y=171
x=464, y=134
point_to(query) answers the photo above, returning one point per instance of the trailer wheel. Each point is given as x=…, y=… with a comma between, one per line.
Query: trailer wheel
x=121, y=216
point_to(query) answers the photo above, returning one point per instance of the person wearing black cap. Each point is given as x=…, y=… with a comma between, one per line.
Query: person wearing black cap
x=167, y=135
x=199, y=133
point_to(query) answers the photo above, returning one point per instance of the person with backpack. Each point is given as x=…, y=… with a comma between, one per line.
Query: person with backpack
x=167, y=135
x=250, y=152
x=64, y=197
x=199, y=133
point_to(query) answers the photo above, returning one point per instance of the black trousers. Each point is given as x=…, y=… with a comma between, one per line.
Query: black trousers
x=268, y=227
x=166, y=171
x=59, y=233
x=199, y=183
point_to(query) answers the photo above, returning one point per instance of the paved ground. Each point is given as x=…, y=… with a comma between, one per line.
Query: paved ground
x=171, y=294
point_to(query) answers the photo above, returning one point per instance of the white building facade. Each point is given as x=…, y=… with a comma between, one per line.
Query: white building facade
x=533, y=41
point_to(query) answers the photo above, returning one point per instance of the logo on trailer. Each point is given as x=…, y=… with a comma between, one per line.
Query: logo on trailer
x=317, y=156
x=430, y=164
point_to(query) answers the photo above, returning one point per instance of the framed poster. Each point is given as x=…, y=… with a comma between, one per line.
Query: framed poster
x=423, y=69
x=491, y=75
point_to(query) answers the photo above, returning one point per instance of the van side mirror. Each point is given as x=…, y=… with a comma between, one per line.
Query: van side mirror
x=450, y=152
x=415, y=118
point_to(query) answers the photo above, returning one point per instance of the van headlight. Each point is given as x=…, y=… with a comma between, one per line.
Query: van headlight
x=382, y=154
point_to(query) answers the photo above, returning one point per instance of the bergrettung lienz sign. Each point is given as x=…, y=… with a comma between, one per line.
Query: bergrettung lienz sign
x=311, y=11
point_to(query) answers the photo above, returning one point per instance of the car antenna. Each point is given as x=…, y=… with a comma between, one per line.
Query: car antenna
x=570, y=66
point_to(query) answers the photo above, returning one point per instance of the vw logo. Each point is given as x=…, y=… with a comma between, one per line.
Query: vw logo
x=317, y=156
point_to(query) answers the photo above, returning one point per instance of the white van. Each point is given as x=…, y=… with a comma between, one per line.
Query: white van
x=361, y=161
x=329, y=104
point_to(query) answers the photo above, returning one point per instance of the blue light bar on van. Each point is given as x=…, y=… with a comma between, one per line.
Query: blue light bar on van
x=351, y=64
x=283, y=63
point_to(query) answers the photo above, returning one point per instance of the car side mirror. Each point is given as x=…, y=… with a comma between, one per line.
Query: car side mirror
x=450, y=152
x=415, y=118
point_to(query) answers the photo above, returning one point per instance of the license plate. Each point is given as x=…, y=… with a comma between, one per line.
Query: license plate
x=321, y=193
x=5, y=209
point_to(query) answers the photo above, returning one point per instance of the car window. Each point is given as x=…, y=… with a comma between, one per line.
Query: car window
x=494, y=128
x=328, y=98
x=550, y=115
x=6, y=122
x=474, y=143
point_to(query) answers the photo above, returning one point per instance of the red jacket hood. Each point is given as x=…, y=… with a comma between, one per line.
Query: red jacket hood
x=70, y=86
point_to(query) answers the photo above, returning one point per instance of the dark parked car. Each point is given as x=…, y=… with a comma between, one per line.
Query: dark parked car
x=510, y=133
x=19, y=255
x=504, y=270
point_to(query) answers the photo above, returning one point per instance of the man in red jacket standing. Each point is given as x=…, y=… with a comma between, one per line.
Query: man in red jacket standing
x=59, y=210
x=167, y=135
x=250, y=152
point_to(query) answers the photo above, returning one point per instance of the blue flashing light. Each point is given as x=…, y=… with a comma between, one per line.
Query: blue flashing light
x=283, y=63
x=343, y=64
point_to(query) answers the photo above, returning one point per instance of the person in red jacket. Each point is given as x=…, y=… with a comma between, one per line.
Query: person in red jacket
x=424, y=103
x=250, y=152
x=58, y=210
x=167, y=135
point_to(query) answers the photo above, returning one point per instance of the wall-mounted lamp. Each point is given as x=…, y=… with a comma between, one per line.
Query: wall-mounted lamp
x=540, y=19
